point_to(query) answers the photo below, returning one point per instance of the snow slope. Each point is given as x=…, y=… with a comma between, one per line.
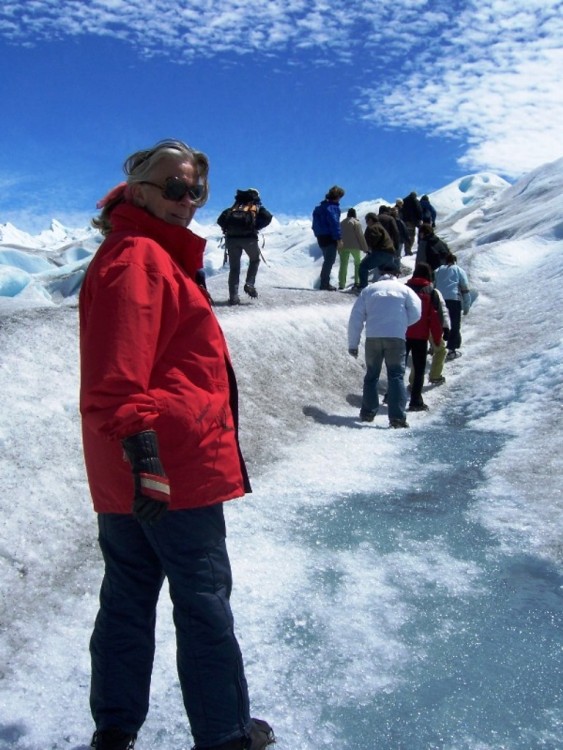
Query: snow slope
x=392, y=590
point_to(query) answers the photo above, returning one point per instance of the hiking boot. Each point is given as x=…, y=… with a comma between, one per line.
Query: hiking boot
x=327, y=288
x=250, y=289
x=418, y=407
x=234, y=300
x=113, y=738
x=367, y=416
x=261, y=735
x=452, y=354
x=398, y=423
x=437, y=381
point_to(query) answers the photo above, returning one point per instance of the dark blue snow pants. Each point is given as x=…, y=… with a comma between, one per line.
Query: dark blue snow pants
x=188, y=548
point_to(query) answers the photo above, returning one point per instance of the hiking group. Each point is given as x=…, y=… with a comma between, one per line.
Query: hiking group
x=402, y=319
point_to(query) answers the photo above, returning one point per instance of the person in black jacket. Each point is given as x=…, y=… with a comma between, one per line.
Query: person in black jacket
x=431, y=249
x=240, y=224
x=411, y=214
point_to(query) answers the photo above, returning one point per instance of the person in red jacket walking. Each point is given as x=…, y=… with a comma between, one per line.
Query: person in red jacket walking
x=158, y=401
x=418, y=334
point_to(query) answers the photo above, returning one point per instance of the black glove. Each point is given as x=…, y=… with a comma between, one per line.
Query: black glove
x=152, y=488
x=353, y=353
x=445, y=333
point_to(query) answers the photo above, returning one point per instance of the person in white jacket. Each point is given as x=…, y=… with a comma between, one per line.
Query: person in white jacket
x=386, y=309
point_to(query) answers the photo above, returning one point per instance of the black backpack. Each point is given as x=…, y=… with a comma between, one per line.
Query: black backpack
x=436, y=251
x=240, y=219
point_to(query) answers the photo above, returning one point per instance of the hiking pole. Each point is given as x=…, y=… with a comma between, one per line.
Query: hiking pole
x=260, y=250
x=225, y=253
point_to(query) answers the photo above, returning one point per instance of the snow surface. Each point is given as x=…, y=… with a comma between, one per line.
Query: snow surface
x=393, y=590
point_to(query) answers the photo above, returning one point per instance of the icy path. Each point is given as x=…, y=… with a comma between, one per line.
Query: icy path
x=377, y=603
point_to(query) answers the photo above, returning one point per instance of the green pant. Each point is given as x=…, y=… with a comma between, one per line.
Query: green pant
x=345, y=254
x=438, y=359
x=439, y=352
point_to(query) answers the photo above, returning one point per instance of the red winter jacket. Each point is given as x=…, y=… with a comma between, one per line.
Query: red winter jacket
x=429, y=322
x=154, y=357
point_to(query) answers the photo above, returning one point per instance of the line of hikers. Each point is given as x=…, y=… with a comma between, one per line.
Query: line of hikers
x=399, y=318
x=389, y=232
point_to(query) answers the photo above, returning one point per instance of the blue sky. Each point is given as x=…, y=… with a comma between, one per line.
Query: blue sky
x=289, y=97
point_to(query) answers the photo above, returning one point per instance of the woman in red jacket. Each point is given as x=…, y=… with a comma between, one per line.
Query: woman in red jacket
x=419, y=333
x=158, y=401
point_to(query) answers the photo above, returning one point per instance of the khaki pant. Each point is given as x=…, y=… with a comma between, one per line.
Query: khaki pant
x=438, y=359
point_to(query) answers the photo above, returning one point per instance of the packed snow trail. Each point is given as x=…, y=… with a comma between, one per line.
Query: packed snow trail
x=369, y=599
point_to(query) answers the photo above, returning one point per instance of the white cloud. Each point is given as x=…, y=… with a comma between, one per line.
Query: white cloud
x=492, y=78
x=487, y=73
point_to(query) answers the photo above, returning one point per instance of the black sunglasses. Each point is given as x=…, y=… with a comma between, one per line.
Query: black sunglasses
x=175, y=189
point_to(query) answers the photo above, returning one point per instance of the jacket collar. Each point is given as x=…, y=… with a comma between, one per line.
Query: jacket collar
x=184, y=247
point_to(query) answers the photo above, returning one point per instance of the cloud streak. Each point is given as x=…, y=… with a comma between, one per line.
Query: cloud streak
x=487, y=73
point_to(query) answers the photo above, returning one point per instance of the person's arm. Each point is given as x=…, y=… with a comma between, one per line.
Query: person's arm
x=263, y=218
x=356, y=325
x=333, y=220
x=413, y=306
x=360, y=237
x=464, y=291
x=120, y=342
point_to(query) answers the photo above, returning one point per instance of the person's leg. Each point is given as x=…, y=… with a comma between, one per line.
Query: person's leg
x=394, y=350
x=122, y=644
x=329, y=255
x=374, y=361
x=410, y=238
x=368, y=262
x=357, y=256
x=380, y=259
x=454, y=339
x=191, y=546
x=253, y=252
x=344, y=256
x=419, y=349
x=234, y=250
x=438, y=359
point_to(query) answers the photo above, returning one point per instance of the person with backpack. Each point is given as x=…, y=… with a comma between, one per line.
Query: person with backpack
x=240, y=224
x=326, y=228
x=430, y=324
x=411, y=214
x=428, y=211
x=431, y=249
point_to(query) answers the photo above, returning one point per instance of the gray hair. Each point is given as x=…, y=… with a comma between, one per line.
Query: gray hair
x=139, y=167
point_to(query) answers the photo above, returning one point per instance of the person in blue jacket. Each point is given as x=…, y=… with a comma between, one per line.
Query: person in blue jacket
x=451, y=281
x=428, y=211
x=326, y=228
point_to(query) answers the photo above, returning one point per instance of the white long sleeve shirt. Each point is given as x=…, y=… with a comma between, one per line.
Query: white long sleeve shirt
x=386, y=309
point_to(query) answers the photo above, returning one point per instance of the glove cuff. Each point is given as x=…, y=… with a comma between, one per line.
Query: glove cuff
x=142, y=451
x=155, y=487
